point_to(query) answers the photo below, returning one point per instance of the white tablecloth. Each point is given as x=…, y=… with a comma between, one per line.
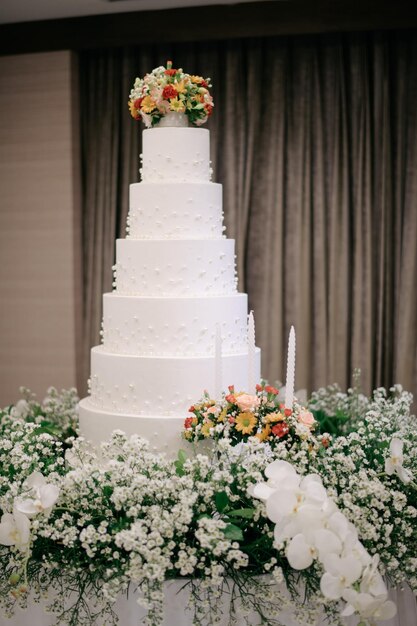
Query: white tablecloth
x=130, y=614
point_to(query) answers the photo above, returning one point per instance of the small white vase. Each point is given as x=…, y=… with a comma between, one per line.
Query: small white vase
x=173, y=119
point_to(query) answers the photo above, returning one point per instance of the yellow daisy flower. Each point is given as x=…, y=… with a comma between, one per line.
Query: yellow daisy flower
x=180, y=87
x=264, y=434
x=275, y=417
x=245, y=423
x=148, y=104
x=132, y=108
x=222, y=415
x=205, y=429
x=176, y=105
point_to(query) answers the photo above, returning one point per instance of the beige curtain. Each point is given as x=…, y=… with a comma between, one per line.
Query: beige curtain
x=315, y=141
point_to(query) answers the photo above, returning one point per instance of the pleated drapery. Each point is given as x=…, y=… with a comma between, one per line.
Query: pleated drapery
x=315, y=141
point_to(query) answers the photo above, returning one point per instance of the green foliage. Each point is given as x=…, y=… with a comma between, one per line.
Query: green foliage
x=233, y=532
x=179, y=463
x=222, y=501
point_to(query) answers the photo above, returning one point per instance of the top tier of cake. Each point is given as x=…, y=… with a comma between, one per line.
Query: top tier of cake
x=176, y=155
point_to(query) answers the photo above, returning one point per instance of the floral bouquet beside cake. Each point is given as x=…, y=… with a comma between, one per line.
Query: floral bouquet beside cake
x=240, y=416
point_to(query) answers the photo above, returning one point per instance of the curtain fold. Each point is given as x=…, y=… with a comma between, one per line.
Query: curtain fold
x=315, y=141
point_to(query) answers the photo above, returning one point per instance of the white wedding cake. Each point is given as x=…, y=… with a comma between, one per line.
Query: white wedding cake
x=175, y=288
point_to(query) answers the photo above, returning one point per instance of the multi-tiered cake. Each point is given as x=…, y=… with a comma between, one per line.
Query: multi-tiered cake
x=175, y=288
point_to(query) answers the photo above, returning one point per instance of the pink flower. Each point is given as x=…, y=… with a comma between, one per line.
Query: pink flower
x=246, y=402
x=212, y=409
x=307, y=418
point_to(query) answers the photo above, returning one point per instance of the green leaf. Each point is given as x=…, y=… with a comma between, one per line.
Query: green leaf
x=222, y=500
x=50, y=430
x=233, y=532
x=107, y=491
x=246, y=513
x=182, y=456
x=179, y=463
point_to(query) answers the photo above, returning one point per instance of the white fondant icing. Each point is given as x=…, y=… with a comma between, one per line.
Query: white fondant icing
x=162, y=432
x=176, y=154
x=178, y=327
x=175, y=268
x=160, y=385
x=175, y=281
x=175, y=211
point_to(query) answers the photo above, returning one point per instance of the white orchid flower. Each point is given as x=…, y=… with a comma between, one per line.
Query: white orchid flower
x=292, y=500
x=368, y=606
x=394, y=463
x=340, y=574
x=15, y=530
x=279, y=474
x=303, y=549
x=45, y=496
x=372, y=581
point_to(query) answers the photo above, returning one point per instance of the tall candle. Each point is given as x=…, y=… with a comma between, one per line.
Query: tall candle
x=251, y=354
x=289, y=385
x=218, y=374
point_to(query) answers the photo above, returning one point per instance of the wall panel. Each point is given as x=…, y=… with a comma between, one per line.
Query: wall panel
x=40, y=283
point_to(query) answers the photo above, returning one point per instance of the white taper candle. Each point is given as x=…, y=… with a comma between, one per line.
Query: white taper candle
x=218, y=373
x=289, y=385
x=251, y=354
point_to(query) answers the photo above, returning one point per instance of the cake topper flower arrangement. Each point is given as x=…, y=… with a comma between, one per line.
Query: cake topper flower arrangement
x=167, y=90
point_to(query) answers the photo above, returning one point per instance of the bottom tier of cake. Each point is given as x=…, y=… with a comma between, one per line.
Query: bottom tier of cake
x=150, y=396
x=163, y=432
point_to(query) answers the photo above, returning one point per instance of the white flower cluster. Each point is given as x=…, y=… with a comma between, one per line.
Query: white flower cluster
x=127, y=516
x=60, y=408
x=370, y=474
x=311, y=527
